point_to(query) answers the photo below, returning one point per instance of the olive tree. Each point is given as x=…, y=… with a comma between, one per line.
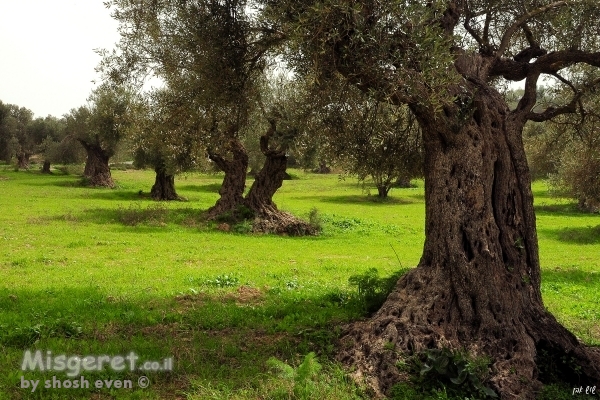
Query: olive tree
x=99, y=127
x=477, y=285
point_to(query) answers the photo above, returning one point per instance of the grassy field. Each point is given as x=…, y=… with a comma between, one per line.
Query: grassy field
x=99, y=271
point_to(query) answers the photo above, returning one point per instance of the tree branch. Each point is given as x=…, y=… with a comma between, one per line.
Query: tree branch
x=571, y=107
x=549, y=63
x=505, y=42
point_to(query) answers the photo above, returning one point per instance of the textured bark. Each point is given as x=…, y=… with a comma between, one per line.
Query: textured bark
x=97, y=171
x=267, y=180
x=260, y=196
x=477, y=285
x=234, y=183
x=164, y=185
x=46, y=167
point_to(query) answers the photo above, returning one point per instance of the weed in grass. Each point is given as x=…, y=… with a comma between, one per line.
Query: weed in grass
x=315, y=219
x=220, y=281
x=302, y=378
x=446, y=373
x=372, y=289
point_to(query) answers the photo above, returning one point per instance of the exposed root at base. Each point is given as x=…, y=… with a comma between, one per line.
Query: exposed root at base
x=282, y=223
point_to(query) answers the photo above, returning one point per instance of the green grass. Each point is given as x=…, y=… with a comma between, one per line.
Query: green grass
x=99, y=271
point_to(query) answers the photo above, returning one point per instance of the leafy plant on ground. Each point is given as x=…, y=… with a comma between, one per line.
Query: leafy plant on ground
x=455, y=372
x=303, y=377
x=221, y=281
x=373, y=290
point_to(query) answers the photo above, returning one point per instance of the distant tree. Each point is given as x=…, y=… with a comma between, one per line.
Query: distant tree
x=575, y=140
x=7, y=140
x=46, y=134
x=15, y=135
x=99, y=127
x=165, y=139
x=371, y=138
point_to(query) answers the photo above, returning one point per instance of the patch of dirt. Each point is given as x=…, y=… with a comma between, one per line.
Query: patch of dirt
x=245, y=294
x=4, y=178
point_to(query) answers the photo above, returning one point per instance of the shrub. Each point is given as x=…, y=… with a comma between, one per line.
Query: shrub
x=373, y=290
x=578, y=176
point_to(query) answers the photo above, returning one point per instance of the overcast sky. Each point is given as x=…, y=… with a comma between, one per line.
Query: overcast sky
x=47, y=57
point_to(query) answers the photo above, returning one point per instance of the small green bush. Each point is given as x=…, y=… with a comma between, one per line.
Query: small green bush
x=455, y=373
x=372, y=289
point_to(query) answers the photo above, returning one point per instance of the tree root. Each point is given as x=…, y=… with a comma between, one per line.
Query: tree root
x=282, y=223
x=402, y=328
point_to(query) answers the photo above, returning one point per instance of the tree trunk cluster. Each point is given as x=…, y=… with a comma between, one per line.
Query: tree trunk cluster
x=259, y=199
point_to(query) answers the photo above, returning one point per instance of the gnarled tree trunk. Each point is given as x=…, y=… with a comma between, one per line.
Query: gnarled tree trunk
x=267, y=180
x=477, y=285
x=97, y=171
x=266, y=183
x=164, y=185
x=234, y=183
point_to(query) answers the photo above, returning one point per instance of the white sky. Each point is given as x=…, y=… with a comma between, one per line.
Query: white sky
x=47, y=56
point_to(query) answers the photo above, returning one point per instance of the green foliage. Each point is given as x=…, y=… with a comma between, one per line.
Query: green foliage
x=372, y=289
x=222, y=281
x=456, y=372
x=369, y=138
x=315, y=219
x=304, y=376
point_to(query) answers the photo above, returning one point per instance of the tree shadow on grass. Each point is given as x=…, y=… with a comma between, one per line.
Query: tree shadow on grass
x=359, y=199
x=581, y=235
x=220, y=337
x=60, y=181
x=123, y=195
x=566, y=209
x=151, y=215
x=208, y=188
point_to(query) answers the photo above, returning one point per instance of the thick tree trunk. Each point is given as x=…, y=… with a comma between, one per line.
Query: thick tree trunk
x=260, y=196
x=477, y=285
x=267, y=180
x=234, y=183
x=164, y=185
x=46, y=167
x=97, y=171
